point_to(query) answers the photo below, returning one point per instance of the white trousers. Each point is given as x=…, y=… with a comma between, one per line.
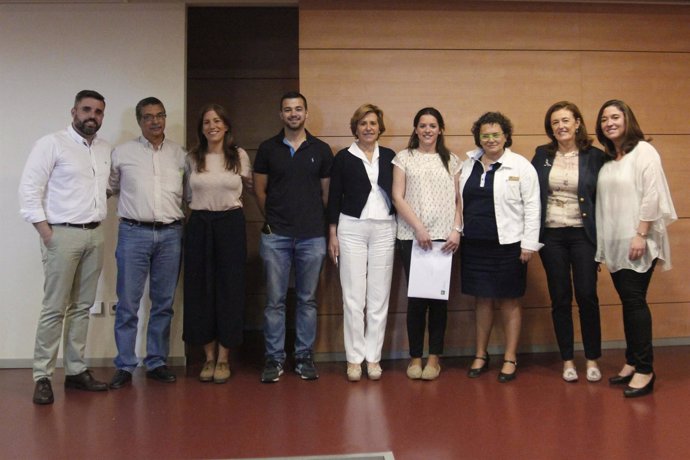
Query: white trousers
x=366, y=270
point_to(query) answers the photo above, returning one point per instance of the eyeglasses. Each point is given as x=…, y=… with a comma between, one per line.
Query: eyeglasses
x=494, y=136
x=148, y=118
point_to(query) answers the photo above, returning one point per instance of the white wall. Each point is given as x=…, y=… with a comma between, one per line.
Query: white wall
x=48, y=52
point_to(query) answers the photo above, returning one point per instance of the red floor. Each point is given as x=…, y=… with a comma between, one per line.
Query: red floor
x=538, y=416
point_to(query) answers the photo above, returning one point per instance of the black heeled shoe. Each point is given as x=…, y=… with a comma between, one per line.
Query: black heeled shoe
x=476, y=372
x=503, y=377
x=631, y=392
x=620, y=379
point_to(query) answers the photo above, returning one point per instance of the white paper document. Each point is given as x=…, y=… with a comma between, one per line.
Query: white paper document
x=429, y=272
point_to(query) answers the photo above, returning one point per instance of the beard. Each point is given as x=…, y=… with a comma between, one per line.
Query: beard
x=82, y=127
x=295, y=125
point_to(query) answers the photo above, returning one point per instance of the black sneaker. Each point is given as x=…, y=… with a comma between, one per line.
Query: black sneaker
x=305, y=368
x=272, y=371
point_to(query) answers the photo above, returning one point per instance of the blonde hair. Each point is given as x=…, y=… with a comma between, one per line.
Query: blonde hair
x=361, y=112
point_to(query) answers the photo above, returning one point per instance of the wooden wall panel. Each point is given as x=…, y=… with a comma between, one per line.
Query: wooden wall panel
x=439, y=24
x=466, y=58
x=466, y=83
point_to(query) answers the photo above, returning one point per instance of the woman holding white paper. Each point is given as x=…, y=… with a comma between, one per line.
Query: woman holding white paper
x=501, y=212
x=425, y=179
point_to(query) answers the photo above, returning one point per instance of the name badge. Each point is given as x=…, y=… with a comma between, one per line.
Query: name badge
x=514, y=178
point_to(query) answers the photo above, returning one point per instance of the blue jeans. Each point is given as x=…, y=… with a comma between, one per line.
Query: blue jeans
x=279, y=253
x=143, y=251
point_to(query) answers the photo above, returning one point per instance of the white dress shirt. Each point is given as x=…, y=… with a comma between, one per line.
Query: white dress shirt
x=148, y=180
x=516, y=198
x=65, y=179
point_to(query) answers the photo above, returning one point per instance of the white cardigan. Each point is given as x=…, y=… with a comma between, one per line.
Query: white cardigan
x=516, y=198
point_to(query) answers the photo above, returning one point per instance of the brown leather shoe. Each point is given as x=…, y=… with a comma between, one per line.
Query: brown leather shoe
x=43, y=392
x=84, y=381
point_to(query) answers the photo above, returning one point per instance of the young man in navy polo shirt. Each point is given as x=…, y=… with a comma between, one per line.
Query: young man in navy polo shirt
x=291, y=179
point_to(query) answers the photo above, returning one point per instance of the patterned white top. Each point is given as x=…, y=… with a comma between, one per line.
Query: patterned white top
x=430, y=192
x=631, y=190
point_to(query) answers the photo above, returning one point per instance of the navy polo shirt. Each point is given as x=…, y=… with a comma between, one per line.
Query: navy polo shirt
x=294, y=205
x=479, y=214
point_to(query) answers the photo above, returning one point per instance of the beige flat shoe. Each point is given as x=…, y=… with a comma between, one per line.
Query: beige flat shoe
x=570, y=374
x=206, y=374
x=374, y=371
x=354, y=372
x=414, y=371
x=593, y=374
x=222, y=373
x=431, y=372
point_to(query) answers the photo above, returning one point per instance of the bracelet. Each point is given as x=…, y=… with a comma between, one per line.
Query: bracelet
x=643, y=235
x=458, y=229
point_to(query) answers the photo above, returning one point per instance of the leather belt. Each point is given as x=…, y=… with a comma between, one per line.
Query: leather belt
x=153, y=224
x=87, y=226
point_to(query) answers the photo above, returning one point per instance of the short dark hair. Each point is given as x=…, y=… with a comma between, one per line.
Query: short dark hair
x=83, y=94
x=493, y=118
x=632, y=135
x=293, y=95
x=582, y=140
x=144, y=102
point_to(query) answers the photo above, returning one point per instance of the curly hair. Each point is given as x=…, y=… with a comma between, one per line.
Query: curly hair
x=493, y=118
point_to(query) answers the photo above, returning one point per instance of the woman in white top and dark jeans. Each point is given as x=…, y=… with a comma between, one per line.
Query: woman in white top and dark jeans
x=215, y=244
x=362, y=239
x=634, y=208
x=425, y=181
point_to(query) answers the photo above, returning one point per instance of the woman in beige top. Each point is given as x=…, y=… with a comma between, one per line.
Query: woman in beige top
x=568, y=168
x=215, y=243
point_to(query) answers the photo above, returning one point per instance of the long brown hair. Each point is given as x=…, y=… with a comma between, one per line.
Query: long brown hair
x=441, y=148
x=632, y=135
x=230, y=149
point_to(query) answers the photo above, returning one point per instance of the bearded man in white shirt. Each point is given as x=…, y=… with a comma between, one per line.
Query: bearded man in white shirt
x=63, y=194
x=147, y=174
